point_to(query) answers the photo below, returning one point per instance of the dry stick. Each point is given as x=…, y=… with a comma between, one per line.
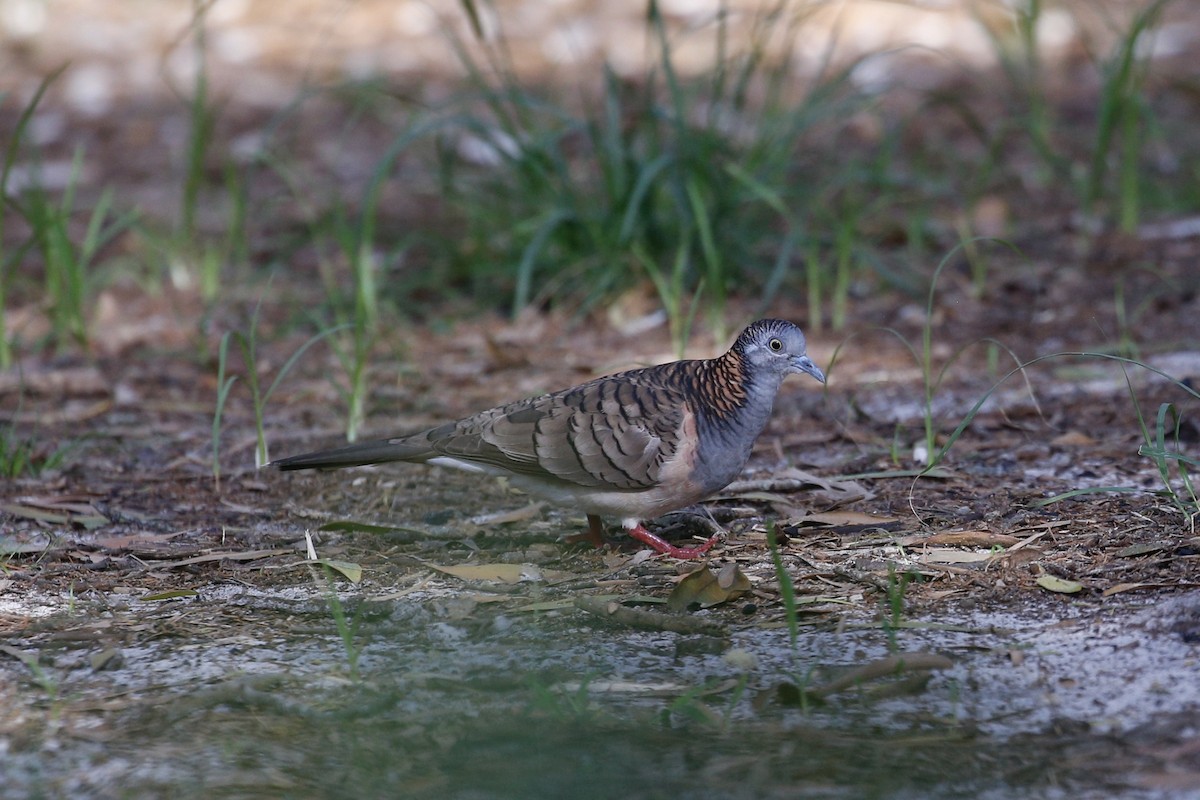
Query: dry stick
x=868, y=579
x=648, y=620
x=892, y=665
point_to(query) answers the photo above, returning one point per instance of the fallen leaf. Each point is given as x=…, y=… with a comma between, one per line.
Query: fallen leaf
x=479, y=598
x=942, y=555
x=170, y=594
x=91, y=522
x=352, y=571
x=247, y=555
x=1053, y=583
x=130, y=540
x=614, y=559
x=29, y=512
x=706, y=588
x=1073, y=439
x=1140, y=549
x=456, y=608
x=107, y=659
x=241, y=508
x=57, y=511
x=554, y=605
x=826, y=491
x=8, y=547
x=347, y=526
x=731, y=579
x=523, y=514
x=839, y=518
x=639, y=557
x=503, y=573
x=1127, y=587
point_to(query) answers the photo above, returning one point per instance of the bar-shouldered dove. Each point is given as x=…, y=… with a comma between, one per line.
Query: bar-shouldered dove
x=633, y=445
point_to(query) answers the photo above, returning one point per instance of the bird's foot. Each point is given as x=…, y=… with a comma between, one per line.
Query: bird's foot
x=661, y=545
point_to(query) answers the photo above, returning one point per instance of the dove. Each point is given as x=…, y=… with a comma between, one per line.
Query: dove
x=633, y=445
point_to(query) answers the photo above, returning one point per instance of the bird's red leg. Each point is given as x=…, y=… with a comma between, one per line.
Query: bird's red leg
x=594, y=535
x=661, y=545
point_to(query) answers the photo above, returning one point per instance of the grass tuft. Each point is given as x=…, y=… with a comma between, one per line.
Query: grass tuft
x=10, y=258
x=689, y=176
x=23, y=457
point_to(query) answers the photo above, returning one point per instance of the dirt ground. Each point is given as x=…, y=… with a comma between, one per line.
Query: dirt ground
x=131, y=548
x=163, y=633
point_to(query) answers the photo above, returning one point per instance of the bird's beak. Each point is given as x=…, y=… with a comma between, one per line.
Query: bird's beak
x=805, y=364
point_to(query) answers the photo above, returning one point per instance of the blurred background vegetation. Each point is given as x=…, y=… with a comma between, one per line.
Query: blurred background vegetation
x=376, y=161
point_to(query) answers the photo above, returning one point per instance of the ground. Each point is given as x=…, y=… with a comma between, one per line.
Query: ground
x=1021, y=620
x=134, y=581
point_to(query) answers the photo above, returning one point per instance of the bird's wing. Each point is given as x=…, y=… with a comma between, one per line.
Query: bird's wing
x=612, y=433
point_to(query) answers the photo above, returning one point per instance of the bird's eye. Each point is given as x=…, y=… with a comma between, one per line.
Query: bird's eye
x=775, y=345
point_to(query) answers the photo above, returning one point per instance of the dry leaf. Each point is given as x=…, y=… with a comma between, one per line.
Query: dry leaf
x=522, y=514
x=553, y=605
x=1073, y=439
x=352, y=571
x=1053, y=583
x=822, y=490
x=1127, y=587
x=501, y=573
x=245, y=555
x=59, y=510
x=169, y=594
x=706, y=589
x=943, y=555
x=9, y=547
x=1141, y=549
x=989, y=218
x=730, y=578
x=841, y=518
x=107, y=659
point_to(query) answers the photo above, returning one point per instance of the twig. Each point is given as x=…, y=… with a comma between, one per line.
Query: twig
x=648, y=620
x=892, y=665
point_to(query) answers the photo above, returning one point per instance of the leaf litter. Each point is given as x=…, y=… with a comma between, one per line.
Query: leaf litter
x=465, y=608
x=136, y=599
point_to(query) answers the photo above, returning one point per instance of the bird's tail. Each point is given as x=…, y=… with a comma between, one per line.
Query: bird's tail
x=355, y=455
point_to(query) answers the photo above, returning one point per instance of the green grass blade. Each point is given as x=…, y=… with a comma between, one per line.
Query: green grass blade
x=223, y=386
x=787, y=589
x=524, y=288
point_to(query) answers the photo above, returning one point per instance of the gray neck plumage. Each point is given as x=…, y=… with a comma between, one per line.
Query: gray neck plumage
x=737, y=404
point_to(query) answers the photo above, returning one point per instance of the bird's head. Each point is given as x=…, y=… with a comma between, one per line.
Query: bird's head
x=776, y=346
